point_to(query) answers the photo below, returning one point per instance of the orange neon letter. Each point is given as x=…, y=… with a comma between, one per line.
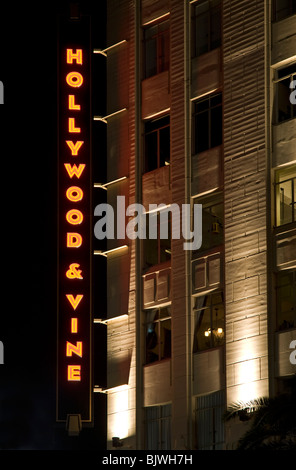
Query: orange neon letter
x=74, y=193
x=71, y=126
x=74, y=325
x=74, y=373
x=74, y=79
x=74, y=217
x=73, y=271
x=71, y=348
x=72, y=104
x=73, y=170
x=74, y=240
x=77, y=56
x=74, y=302
x=74, y=147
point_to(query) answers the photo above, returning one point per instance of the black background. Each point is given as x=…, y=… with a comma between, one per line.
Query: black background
x=28, y=69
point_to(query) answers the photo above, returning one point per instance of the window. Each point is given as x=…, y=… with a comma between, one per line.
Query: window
x=156, y=48
x=284, y=108
x=157, y=244
x=206, y=27
x=285, y=196
x=212, y=221
x=158, y=334
x=283, y=8
x=157, y=143
x=209, y=421
x=209, y=321
x=207, y=117
x=158, y=427
x=286, y=300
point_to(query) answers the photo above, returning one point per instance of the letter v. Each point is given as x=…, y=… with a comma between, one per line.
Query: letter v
x=74, y=302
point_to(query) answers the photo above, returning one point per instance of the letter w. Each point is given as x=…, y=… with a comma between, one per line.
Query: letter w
x=73, y=170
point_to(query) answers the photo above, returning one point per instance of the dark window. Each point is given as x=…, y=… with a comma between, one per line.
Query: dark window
x=158, y=334
x=206, y=27
x=156, y=48
x=283, y=8
x=285, y=109
x=286, y=300
x=212, y=221
x=207, y=123
x=285, y=196
x=158, y=427
x=157, y=143
x=210, y=422
x=209, y=321
x=157, y=245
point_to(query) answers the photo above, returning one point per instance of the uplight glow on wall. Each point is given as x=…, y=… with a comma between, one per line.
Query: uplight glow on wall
x=74, y=319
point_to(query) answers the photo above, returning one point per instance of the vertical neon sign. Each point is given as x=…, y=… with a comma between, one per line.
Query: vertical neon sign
x=74, y=325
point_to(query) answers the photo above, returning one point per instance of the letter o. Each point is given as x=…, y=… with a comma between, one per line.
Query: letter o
x=74, y=217
x=74, y=193
x=74, y=79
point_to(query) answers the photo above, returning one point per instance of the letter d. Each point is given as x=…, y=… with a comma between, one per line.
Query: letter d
x=74, y=240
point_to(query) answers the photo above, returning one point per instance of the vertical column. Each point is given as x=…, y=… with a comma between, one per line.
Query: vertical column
x=180, y=338
x=245, y=176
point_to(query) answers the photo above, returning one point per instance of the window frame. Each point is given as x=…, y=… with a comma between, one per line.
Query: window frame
x=215, y=340
x=159, y=241
x=161, y=65
x=157, y=125
x=276, y=81
x=163, y=415
x=210, y=127
x=281, y=326
x=277, y=203
x=160, y=341
x=291, y=10
x=214, y=8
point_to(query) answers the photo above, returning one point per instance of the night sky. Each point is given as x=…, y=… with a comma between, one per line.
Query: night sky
x=28, y=58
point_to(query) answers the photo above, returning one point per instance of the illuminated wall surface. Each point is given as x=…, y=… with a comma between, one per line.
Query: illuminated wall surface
x=74, y=222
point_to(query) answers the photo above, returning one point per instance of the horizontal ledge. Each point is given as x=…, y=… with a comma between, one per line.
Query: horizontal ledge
x=119, y=388
x=108, y=320
x=104, y=51
x=105, y=118
x=105, y=253
x=105, y=185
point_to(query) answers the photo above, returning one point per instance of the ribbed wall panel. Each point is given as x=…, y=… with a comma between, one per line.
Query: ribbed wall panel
x=245, y=197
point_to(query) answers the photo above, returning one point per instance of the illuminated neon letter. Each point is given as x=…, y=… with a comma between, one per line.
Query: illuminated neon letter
x=74, y=147
x=77, y=56
x=74, y=217
x=73, y=271
x=72, y=349
x=74, y=302
x=72, y=104
x=74, y=325
x=74, y=240
x=74, y=193
x=71, y=126
x=74, y=79
x=73, y=170
x=74, y=373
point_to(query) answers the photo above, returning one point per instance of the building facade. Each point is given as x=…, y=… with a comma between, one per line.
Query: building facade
x=199, y=111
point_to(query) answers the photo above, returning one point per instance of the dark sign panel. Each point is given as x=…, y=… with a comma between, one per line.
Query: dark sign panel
x=74, y=321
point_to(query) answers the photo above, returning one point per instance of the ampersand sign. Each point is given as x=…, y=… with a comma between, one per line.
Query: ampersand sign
x=73, y=271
